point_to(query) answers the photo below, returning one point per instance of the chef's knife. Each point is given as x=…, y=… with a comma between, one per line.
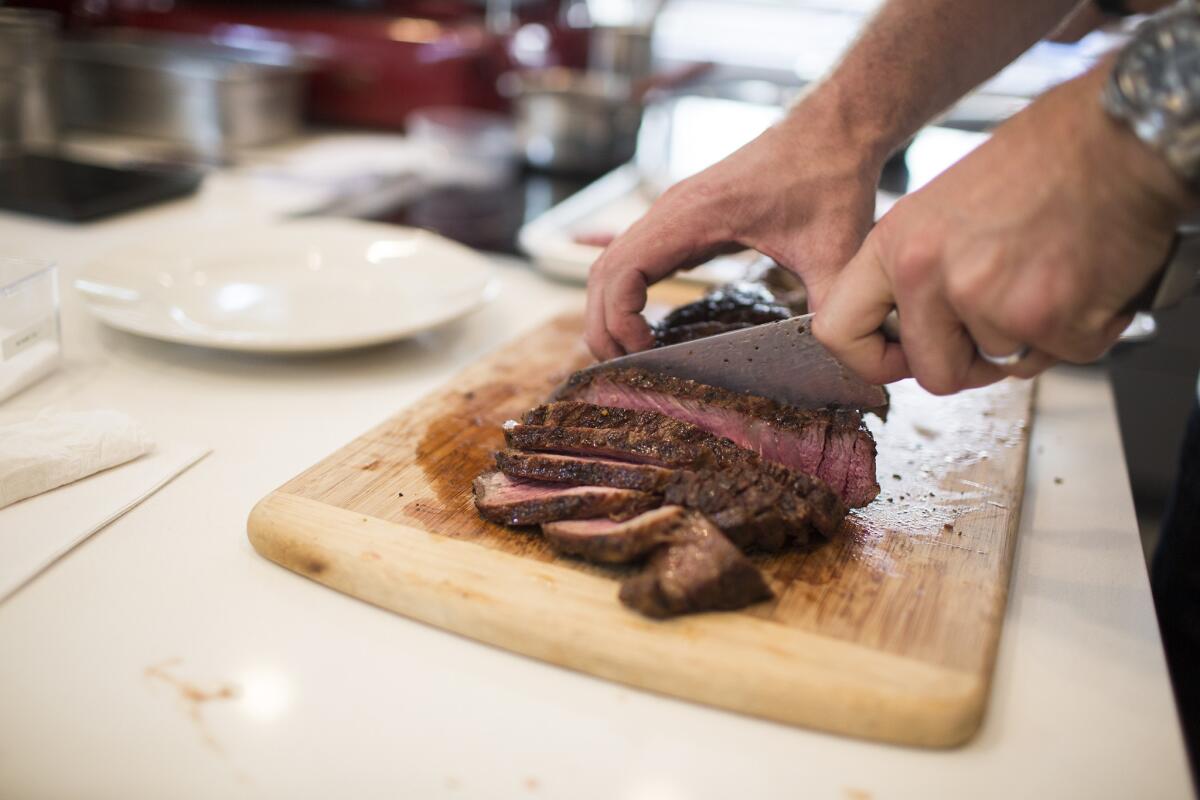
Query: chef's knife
x=780, y=360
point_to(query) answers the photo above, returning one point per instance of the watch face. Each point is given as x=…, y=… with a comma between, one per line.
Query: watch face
x=1161, y=67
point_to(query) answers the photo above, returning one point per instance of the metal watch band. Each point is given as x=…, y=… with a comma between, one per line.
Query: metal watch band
x=1155, y=89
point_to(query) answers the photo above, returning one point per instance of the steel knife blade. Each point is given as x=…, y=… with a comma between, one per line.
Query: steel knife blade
x=779, y=360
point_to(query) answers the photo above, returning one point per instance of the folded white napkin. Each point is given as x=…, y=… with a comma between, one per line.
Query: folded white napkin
x=54, y=449
x=37, y=531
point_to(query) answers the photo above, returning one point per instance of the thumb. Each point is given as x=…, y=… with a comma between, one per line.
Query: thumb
x=849, y=316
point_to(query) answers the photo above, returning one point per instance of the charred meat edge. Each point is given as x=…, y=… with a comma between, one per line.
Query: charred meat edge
x=539, y=502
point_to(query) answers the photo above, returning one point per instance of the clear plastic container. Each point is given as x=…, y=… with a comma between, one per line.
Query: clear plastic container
x=30, y=347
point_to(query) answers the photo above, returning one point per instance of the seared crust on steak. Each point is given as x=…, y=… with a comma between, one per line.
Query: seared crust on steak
x=509, y=501
x=608, y=542
x=582, y=470
x=756, y=506
x=700, y=570
x=632, y=445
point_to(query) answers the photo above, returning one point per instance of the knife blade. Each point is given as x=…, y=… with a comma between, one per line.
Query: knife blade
x=780, y=360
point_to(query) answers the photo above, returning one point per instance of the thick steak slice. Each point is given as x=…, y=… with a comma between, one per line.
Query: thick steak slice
x=701, y=570
x=833, y=445
x=582, y=470
x=627, y=445
x=691, y=445
x=608, y=542
x=509, y=501
x=756, y=506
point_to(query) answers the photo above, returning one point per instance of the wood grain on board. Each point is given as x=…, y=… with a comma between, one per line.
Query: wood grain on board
x=888, y=632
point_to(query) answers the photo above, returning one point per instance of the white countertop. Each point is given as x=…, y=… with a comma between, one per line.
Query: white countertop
x=330, y=697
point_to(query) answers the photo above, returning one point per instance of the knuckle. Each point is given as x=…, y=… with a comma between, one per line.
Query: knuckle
x=1088, y=349
x=1033, y=323
x=963, y=290
x=939, y=378
x=915, y=262
x=968, y=285
x=939, y=385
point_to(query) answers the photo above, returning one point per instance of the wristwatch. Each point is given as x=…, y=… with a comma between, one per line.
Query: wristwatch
x=1154, y=89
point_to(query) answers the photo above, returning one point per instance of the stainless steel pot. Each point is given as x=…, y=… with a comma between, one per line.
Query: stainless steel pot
x=28, y=41
x=206, y=97
x=573, y=121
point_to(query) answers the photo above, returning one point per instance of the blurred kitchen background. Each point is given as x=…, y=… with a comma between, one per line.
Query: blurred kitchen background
x=478, y=120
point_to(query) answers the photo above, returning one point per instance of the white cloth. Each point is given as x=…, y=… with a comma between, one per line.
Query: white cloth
x=36, y=532
x=54, y=449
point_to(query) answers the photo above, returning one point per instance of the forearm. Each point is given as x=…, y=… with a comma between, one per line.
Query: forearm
x=917, y=57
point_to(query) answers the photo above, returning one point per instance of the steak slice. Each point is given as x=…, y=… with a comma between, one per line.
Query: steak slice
x=609, y=542
x=509, y=501
x=613, y=443
x=689, y=445
x=700, y=570
x=832, y=444
x=582, y=470
x=756, y=505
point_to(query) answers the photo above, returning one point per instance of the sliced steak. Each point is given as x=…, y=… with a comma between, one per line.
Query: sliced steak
x=582, y=470
x=833, y=445
x=513, y=501
x=644, y=434
x=700, y=570
x=609, y=542
x=757, y=506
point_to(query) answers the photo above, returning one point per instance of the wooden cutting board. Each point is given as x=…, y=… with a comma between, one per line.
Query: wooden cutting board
x=888, y=632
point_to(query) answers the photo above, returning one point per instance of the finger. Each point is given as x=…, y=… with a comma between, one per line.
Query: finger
x=940, y=351
x=848, y=321
x=990, y=340
x=623, y=300
x=668, y=238
x=596, y=335
x=1052, y=327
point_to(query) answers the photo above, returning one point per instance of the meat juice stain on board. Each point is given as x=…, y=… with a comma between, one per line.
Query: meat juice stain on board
x=456, y=446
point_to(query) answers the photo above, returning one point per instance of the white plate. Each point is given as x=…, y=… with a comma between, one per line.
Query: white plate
x=296, y=286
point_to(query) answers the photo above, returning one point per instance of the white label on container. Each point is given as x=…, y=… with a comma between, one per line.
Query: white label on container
x=16, y=343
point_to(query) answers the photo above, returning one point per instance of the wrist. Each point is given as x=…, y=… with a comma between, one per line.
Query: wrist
x=1112, y=144
x=841, y=118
